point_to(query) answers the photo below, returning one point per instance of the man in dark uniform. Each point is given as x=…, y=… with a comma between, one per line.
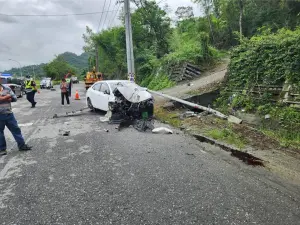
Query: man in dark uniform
x=31, y=89
x=8, y=119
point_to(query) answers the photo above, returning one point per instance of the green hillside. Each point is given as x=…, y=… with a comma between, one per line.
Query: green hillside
x=79, y=62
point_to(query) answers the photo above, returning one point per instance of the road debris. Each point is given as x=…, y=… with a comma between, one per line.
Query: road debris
x=133, y=106
x=104, y=119
x=73, y=113
x=64, y=132
x=162, y=130
x=188, y=114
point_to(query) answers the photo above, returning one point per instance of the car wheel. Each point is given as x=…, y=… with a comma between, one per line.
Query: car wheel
x=90, y=105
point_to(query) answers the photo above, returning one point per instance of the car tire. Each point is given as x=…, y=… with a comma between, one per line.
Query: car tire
x=90, y=105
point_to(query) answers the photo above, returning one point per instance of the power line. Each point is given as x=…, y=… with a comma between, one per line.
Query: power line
x=51, y=15
x=113, y=20
x=101, y=16
x=106, y=13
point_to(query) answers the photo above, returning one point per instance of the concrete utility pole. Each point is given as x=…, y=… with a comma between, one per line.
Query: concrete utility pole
x=129, y=45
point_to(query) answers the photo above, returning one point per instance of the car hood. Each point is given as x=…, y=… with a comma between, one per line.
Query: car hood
x=134, y=93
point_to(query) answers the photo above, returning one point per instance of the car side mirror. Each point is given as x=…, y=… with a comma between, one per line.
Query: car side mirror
x=106, y=92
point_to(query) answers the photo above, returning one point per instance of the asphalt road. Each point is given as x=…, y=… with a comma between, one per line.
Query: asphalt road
x=128, y=177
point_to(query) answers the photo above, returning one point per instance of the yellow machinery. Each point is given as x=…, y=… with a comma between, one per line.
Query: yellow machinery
x=92, y=77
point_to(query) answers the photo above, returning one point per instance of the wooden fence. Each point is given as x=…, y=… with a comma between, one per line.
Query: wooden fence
x=185, y=72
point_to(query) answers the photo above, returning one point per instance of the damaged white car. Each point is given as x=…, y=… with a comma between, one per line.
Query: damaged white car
x=129, y=103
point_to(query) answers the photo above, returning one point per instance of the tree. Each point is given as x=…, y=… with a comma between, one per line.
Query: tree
x=57, y=68
x=184, y=13
x=208, y=6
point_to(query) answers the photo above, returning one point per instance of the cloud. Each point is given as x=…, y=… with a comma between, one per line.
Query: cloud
x=34, y=40
x=7, y=19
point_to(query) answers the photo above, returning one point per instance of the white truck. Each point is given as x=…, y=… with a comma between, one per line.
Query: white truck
x=46, y=83
x=74, y=80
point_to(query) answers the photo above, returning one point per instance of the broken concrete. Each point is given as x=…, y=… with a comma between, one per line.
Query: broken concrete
x=233, y=119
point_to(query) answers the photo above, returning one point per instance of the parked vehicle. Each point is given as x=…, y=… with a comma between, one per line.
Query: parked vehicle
x=101, y=94
x=74, y=80
x=91, y=78
x=17, y=85
x=46, y=83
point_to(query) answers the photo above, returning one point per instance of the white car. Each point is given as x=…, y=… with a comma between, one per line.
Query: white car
x=46, y=83
x=101, y=93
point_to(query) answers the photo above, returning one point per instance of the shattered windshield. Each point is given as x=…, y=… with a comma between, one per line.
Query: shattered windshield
x=114, y=85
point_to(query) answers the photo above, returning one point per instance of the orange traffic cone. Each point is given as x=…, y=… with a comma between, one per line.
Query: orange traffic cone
x=77, y=96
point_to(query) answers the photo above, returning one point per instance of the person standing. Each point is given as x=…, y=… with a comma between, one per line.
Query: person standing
x=69, y=81
x=31, y=89
x=64, y=87
x=8, y=119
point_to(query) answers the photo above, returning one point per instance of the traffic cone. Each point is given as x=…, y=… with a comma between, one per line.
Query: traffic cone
x=77, y=96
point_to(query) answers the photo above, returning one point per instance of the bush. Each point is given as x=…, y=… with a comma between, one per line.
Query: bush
x=268, y=59
x=160, y=82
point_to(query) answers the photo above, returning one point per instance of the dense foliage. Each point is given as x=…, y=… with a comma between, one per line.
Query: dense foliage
x=266, y=59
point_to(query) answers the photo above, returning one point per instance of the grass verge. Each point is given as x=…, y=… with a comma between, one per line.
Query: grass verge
x=167, y=117
x=227, y=135
x=291, y=140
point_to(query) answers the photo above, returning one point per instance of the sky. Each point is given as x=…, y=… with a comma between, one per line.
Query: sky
x=35, y=40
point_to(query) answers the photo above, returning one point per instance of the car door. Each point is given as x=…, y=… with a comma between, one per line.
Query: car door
x=95, y=95
x=104, y=96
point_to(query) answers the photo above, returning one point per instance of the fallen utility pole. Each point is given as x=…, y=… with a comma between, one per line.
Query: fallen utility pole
x=195, y=106
x=73, y=113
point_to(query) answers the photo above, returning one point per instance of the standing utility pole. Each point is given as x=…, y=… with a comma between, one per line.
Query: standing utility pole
x=129, y=45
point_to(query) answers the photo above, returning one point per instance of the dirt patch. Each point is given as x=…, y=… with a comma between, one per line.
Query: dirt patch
x=255, y=138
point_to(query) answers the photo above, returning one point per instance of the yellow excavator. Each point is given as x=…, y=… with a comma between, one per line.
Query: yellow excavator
x=92, y=77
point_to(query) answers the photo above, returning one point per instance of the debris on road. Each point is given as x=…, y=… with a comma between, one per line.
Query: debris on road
x=162, y=130
x=133, y=106
x=104, y=119
x=188, y=114
x=64, y=132
x=73, y=113
x=169, y=105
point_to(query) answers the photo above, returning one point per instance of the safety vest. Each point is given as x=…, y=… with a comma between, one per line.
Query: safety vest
x=29, y=86
x=68, y=80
